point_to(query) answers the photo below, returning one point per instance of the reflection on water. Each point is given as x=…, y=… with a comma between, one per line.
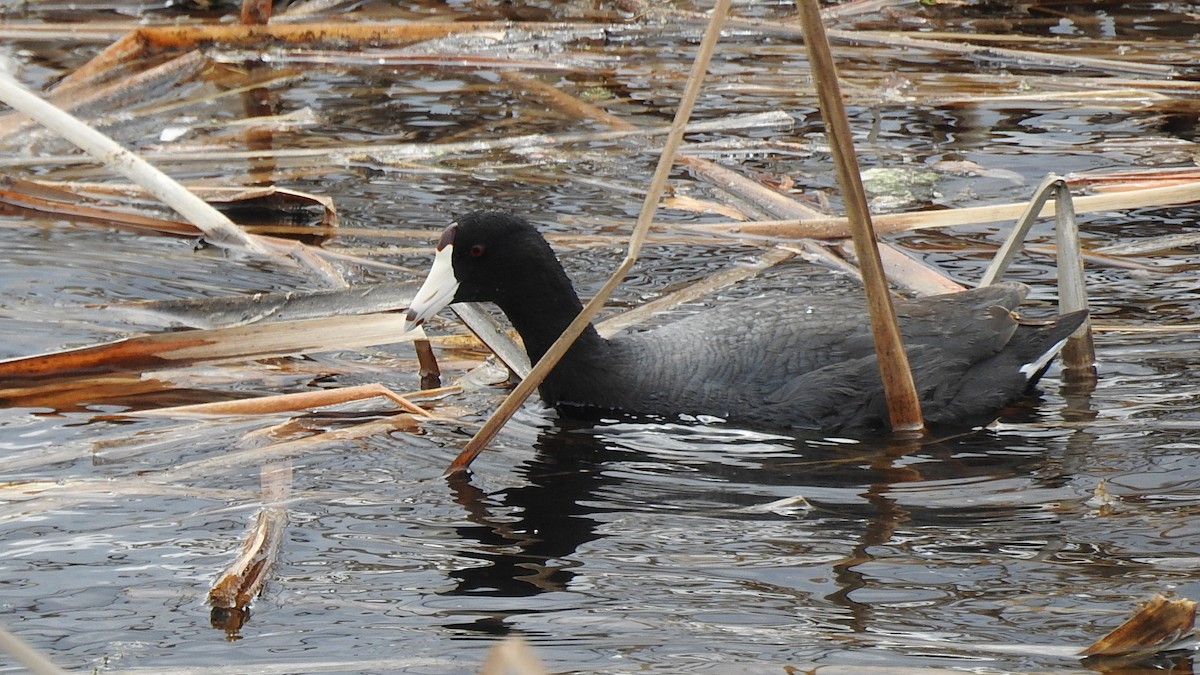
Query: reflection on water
x=522, y=535
x=896, y=531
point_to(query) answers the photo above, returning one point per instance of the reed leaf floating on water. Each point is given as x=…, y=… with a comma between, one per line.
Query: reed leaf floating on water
x=240, y=583
x=160, y=351
x=125, y=206
x=1158, y=625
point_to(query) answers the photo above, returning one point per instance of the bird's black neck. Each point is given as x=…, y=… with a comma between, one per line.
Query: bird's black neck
x=541, y=302
x=541, y=323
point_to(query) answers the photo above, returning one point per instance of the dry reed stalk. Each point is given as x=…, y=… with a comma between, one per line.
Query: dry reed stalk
x=1126, y=179
x=129, y=47
x=23, y=194
x=25, y=654
x=245, y=578
x=427, y=365
x=36, y=497
x=135, y=89
x=1096, y=259
x=265, y=405
x=857, y=7
x=231, y=311
x=812, y=250
x=217, y=228
x=666, y=159
x=955, y=43
x=904, y=405
x=242, y=581
x=695, y=291
x=143, y=39
x=104, y=32
x=77, y=202
x=172, y=108
x=313, y=665
x=1159, y=244
x=284, y=449
x=1078, y=42
x=781, y=206
x=495, y=335
x=58, y=198
x=838, y=228
x=265, y=197
x=398, y=153
x=1154, y=330
x=1120, y=99
x=59, y=394
x=176, y=349
x=684, y=203
x=309, y=258
x=912, y=274
x=343, y=34
x=1032, y=211
x=301, y=11
x=409, y=58
x=1082, y=86
x=991, y=53
x=75, y=490
x=191, y=36
x=574, y=241
x=759, y=195
x=1079, y=354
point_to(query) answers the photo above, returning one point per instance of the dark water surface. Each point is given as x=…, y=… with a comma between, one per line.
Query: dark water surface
x=620, y=546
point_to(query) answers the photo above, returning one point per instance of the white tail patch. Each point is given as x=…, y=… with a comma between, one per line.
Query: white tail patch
x=1032, y=368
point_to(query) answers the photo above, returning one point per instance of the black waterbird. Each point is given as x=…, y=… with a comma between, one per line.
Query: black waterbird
x=791, y=362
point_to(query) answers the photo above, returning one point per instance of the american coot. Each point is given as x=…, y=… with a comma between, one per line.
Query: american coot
x=777, y=362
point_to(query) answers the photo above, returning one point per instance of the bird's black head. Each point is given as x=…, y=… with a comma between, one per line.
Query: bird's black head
x=496, y=255
x=492, y=256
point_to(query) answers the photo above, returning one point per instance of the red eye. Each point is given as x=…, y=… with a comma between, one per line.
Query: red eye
x=476, y=250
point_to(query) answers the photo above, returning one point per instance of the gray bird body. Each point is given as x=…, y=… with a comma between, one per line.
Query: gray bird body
x=784, y=362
